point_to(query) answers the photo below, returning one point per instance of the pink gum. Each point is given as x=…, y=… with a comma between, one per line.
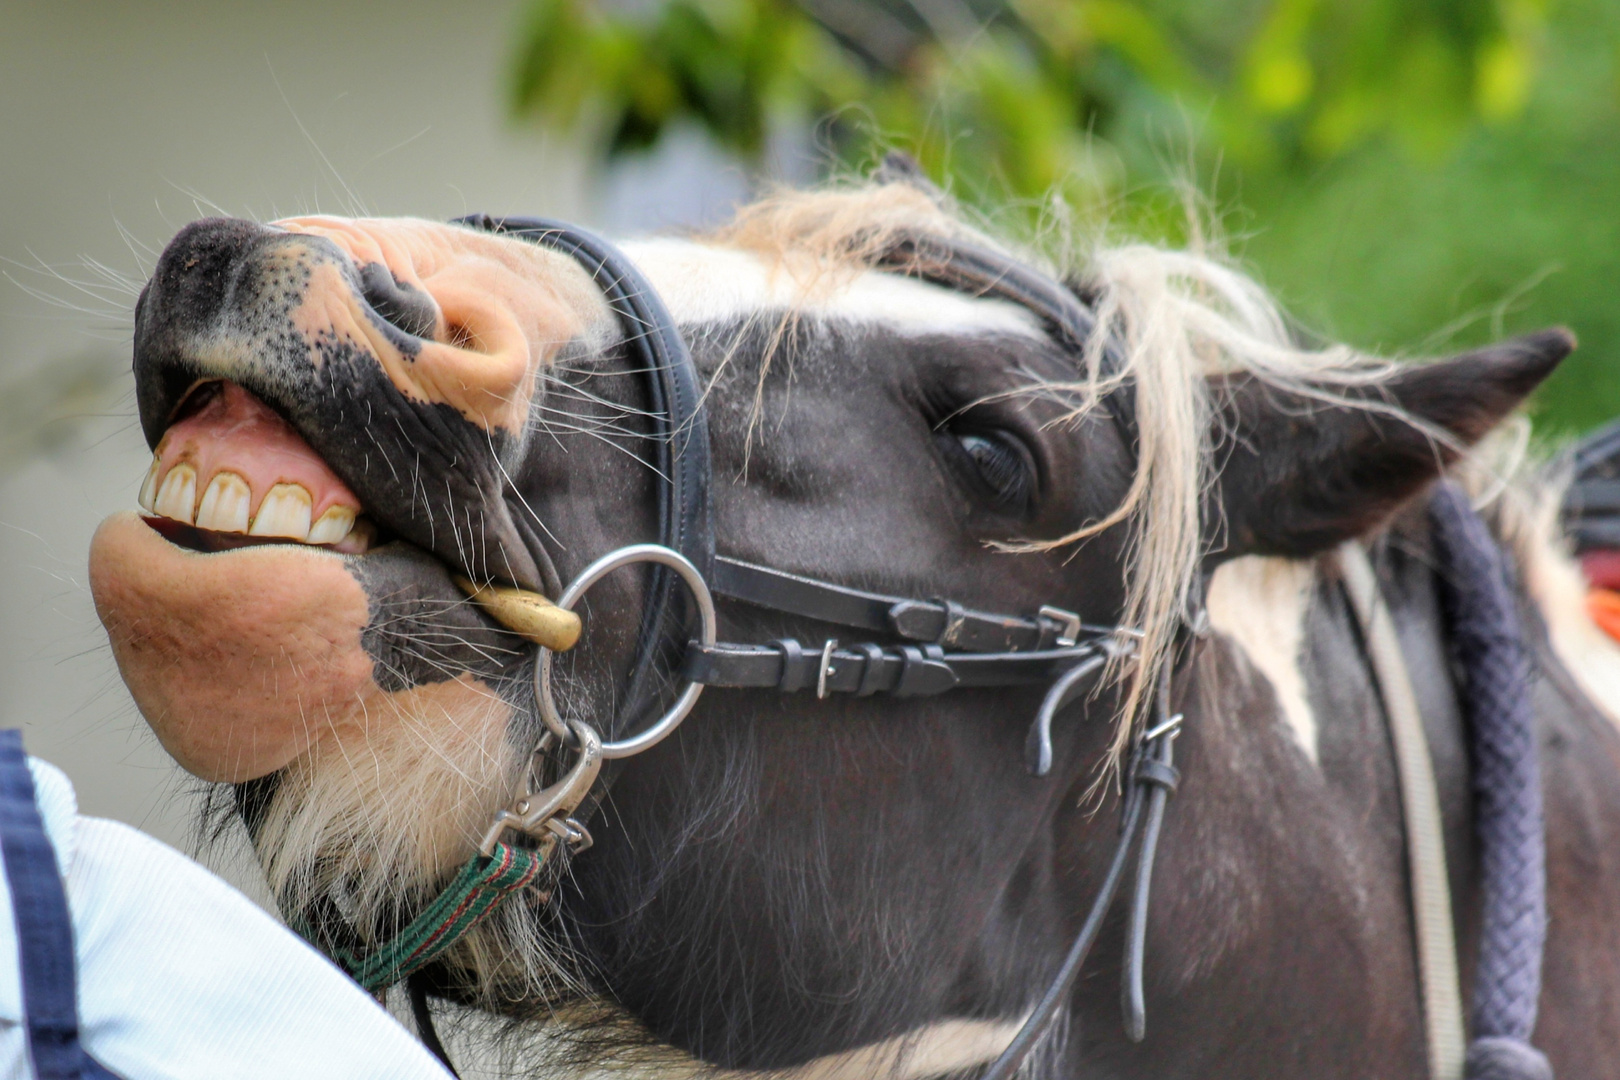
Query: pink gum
x=236, y=432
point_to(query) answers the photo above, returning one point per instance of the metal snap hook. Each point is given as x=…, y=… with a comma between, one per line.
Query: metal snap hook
x=547, y=814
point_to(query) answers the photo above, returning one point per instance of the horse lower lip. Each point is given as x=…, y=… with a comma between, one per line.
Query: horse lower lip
x=229, y=657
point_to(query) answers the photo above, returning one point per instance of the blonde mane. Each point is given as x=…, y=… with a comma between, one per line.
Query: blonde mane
x=1177, y=318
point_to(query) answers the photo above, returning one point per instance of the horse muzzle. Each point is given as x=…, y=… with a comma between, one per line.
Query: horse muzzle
x=335, y=409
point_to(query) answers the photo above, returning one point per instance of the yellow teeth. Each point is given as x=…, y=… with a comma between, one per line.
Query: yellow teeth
x=333, y=526
x=285, y=511
x=149, y=487
x=225, y=504
x=364, y=534
x=177, y=498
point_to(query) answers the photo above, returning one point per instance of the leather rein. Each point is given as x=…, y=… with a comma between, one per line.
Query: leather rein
x=922, y=646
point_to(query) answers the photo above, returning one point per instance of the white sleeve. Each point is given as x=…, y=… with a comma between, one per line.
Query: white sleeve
x=181, y=977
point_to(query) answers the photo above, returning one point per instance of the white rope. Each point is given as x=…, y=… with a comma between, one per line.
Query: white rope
x=1420, y=803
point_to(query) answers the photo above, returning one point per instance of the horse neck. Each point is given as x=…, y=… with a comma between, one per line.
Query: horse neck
x=1279, y=892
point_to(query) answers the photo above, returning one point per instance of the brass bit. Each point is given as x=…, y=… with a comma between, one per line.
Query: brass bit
x=527, y=614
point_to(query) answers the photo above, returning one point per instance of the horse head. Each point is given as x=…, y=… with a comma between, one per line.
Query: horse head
x=348, y=416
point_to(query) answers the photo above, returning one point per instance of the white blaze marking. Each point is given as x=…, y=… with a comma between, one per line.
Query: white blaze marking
x=710, y=284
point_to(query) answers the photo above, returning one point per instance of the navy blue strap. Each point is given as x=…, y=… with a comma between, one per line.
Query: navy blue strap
x=44, y=926
x=1487, y=638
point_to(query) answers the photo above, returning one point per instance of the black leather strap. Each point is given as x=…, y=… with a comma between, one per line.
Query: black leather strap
x=939, y=622
x=983, y=271
x=1157, y=774
x=1152, y=778
x=903, y=670
x=1007, y=1066
x=680, y=429
x=682, y=436
x=795, y=595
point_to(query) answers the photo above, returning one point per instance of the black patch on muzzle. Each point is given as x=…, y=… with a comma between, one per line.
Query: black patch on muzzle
x=220, y=305
x=401, y=306
x=415, y=636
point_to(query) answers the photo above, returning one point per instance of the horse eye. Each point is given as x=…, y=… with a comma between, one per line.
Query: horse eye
x=1002, y=465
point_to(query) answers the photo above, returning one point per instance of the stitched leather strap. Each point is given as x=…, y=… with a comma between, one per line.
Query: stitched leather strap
x=903, y=671
x=681, y=436
x=680, y=429
x=941, y=622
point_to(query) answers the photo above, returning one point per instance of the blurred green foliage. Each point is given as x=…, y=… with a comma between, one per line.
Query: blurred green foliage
x=1407, y=174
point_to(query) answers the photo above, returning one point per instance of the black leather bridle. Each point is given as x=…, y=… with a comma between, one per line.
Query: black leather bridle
x=927, y=646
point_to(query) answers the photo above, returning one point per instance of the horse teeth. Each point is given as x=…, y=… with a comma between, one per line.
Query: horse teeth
x=361, y=538
x=333, y=526
x=285, y=511
x=177, y=498
x=225, y=504
x=149, y=486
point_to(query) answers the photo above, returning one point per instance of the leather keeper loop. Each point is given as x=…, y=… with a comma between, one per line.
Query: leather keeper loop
x=794, y=668
x=924, y=671
x=871, y=669
x=1157, y=773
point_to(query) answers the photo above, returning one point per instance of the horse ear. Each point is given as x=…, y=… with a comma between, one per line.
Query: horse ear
x=1297, y=475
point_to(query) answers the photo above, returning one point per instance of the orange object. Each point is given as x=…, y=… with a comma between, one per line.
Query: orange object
x=1604, y=607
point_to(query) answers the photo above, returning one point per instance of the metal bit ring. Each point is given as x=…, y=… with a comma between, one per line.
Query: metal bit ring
x=613, y=560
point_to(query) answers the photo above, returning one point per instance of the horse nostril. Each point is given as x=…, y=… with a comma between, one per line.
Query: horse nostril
x=408, y=309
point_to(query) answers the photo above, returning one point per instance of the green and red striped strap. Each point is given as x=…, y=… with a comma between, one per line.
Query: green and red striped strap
x=478, y=888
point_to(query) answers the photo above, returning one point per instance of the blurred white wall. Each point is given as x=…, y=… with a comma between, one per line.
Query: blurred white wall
x=120, y=122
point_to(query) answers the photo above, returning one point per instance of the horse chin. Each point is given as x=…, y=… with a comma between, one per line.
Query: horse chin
x=243, y=660
x=382, y=815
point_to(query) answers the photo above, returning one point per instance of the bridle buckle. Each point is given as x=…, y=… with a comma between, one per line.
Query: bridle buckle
x=1170, y=727
x=1066, y=624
